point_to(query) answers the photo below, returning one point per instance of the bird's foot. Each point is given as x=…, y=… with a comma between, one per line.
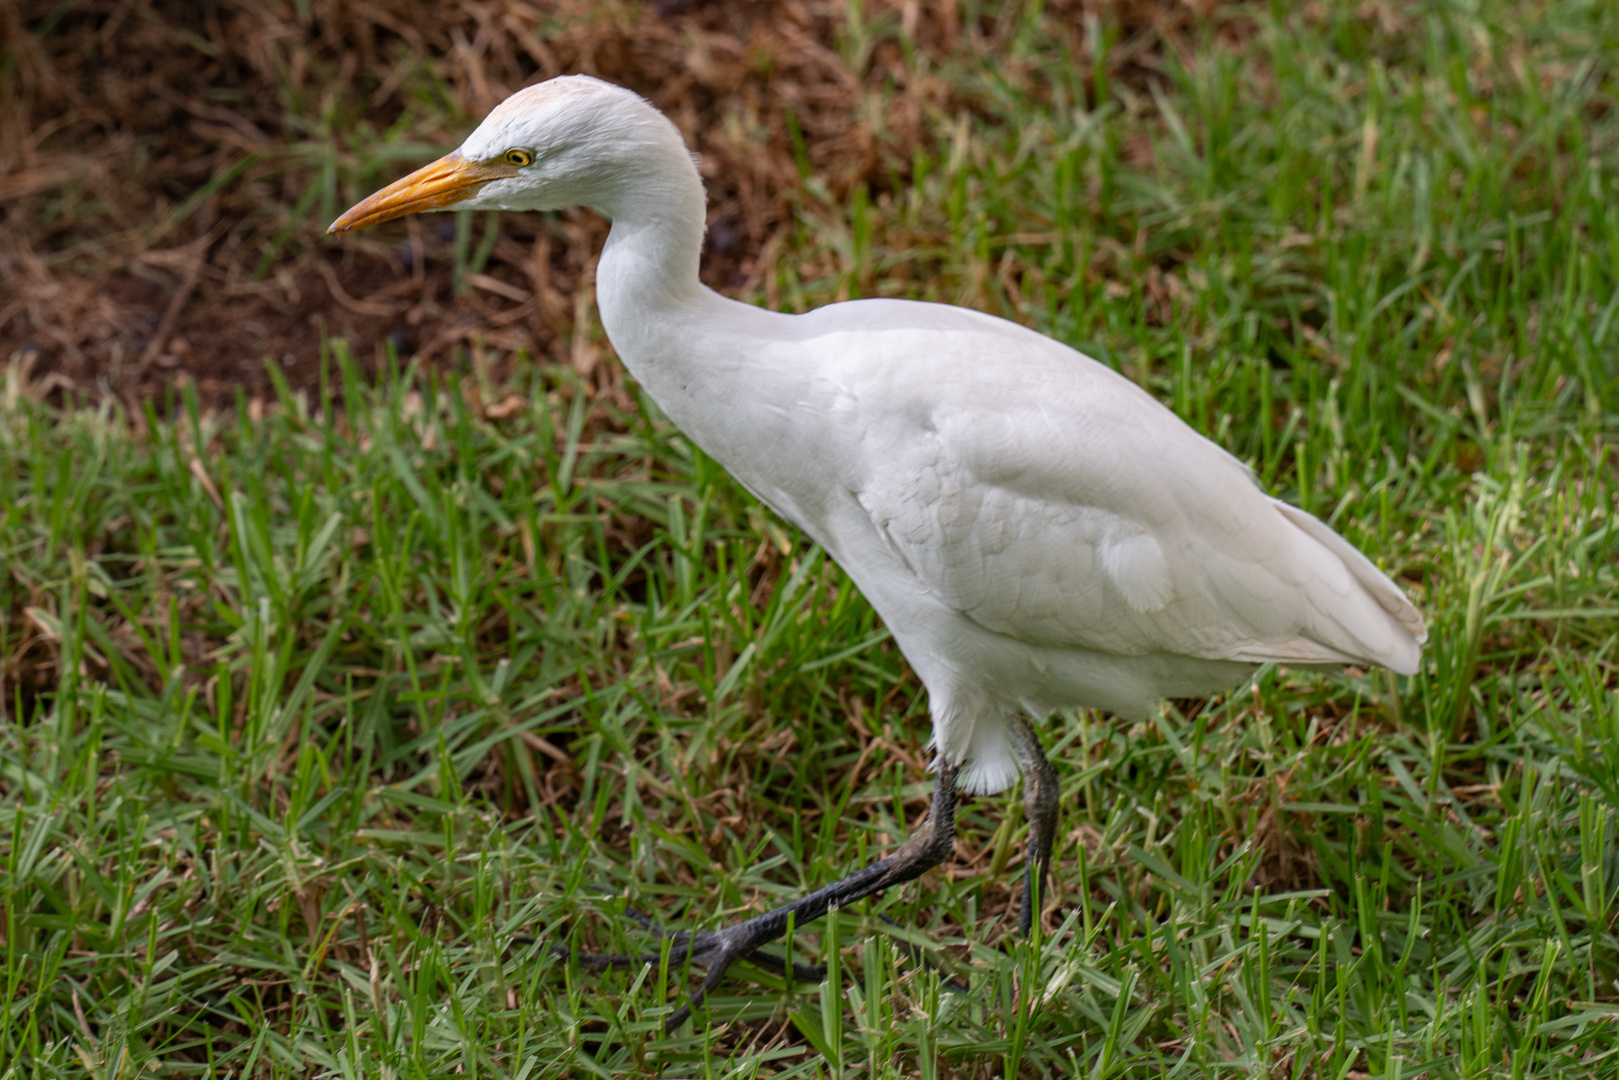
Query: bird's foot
x=715, y=950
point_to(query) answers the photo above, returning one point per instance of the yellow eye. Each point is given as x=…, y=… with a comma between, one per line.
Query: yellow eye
x=518, y=158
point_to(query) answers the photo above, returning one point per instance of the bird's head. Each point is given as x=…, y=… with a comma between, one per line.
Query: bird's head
x=564, y=142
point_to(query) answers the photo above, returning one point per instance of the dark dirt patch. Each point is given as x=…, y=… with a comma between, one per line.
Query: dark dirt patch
x=167, y=168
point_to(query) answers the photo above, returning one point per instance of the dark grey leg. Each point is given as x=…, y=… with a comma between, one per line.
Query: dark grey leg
x=926, y=848
x=1040, y=792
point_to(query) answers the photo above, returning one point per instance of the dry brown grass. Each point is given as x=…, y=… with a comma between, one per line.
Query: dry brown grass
x=165, y=175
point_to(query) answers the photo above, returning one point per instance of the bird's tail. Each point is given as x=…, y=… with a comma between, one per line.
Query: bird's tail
x=1355, y=629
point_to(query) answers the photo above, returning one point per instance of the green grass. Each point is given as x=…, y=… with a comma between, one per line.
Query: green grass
x=313, y=720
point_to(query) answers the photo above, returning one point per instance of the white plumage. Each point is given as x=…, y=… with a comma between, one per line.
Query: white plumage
x=1035, y=529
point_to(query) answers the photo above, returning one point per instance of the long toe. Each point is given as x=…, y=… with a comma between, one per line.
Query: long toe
x=599, y=961
x=804, y=973
x=680, y=945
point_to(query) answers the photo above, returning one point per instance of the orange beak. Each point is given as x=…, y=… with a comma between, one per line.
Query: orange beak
x=444, y=182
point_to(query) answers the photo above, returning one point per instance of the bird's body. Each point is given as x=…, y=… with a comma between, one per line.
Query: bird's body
x=1035, y=529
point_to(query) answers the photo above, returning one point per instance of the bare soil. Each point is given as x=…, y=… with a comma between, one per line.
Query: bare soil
x=167, y=167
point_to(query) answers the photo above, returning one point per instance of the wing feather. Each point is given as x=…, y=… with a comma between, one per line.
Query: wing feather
x=1094, y=518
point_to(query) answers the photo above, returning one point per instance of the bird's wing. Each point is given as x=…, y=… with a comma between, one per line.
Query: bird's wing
x=1087, y=515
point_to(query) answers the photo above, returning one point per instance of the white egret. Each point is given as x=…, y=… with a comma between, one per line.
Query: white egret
x=1035, y=529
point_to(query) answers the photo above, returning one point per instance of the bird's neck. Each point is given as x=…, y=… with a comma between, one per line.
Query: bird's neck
x=647, y=279
x=687, y=346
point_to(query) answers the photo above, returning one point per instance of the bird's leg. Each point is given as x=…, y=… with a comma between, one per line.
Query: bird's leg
x=926, y=848
x=1040, y=792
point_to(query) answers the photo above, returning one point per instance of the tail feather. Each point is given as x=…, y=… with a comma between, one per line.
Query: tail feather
x=1401, y=649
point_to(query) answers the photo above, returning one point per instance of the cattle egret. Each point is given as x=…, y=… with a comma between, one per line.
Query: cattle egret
x=1035, y=529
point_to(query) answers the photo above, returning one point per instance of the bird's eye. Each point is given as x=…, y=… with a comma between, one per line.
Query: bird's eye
x=518, y=157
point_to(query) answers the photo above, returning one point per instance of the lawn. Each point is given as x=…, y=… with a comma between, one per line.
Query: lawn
x=326, y=714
